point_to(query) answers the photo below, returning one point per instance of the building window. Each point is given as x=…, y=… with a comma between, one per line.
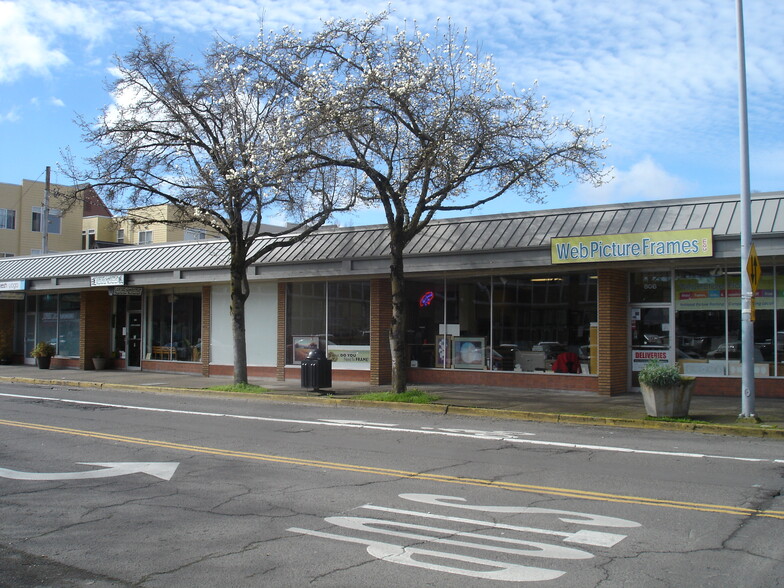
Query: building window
x=145, y=237
x=88, y=239
x=174, y=326
x=57, y=321
x=7, y=218
x=334, y=317
x=53, y=227
x=511, y=323
x=195, y=234
x=708, y=323
x=121, y=235
x=650, y=287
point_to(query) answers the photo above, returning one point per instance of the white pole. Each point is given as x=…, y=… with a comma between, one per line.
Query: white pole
x=747, y=325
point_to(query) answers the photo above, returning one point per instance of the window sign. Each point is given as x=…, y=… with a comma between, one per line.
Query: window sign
x=640, y=357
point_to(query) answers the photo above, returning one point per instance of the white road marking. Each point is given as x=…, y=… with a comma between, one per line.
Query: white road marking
x=461, y=433
x=566, y=516
x=388, y=552
x=581, y=537
x=536, y=549
x=162, y=470
x=508, y=551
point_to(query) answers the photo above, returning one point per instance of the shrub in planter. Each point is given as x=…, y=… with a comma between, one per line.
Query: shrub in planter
x=43, y=352
x=665, y=392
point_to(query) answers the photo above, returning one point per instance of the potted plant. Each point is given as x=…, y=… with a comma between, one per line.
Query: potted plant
x=43, y=353
x=665, y=392
x=99, y=360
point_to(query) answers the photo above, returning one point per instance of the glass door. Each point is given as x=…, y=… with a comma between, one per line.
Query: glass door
x=134, y=354
x=650, y=337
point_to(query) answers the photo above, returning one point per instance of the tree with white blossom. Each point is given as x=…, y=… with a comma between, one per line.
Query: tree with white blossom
x=222, y=142
x=425, y=121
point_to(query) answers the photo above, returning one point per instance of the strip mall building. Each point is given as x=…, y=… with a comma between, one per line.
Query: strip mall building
x=569, y=299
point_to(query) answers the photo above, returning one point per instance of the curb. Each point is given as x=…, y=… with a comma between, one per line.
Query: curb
x=499, y=413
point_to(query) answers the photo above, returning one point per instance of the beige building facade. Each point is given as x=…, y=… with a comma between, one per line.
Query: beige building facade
x=21, y=220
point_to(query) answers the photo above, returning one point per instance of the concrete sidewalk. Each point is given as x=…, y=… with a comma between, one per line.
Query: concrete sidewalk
x=711, y=414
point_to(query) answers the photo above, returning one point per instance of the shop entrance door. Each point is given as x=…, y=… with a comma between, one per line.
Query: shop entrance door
x=650, y=337
x=134, y=357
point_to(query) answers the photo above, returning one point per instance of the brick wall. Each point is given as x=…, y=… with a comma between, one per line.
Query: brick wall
x=206, y=328
x=94, y=326
x=613, y=347
x=380, y=320
x=280, y=372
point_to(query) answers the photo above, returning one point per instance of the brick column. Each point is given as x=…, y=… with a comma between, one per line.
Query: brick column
x=206, y=328
x=280, y=371
x=94, y=325
x=380, y=320
x=613, y=345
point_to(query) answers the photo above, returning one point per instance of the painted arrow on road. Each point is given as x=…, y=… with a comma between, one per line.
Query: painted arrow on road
x=162, y=470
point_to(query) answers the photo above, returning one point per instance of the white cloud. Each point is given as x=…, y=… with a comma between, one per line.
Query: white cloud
x=645, y=180
x=31, y=31
x=9, y=116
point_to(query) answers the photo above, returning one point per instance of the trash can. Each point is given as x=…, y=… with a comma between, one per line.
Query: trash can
x=316, y=371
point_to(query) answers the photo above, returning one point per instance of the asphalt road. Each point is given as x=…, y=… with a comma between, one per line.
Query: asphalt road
x=113, y=488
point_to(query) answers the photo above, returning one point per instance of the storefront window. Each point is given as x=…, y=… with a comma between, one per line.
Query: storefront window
x=174, y=326
x=779, y=338
x=68, y=327
x=649, y=287
x=334, y=317
x=56, y=321
x=47, y=319
x=348, y=320
x=472, y=347
x=306, y=320
x=708, y=322
x=502, y=323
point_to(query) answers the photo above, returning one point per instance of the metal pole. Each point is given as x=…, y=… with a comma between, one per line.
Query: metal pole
x=747, y=325
x=45, y=215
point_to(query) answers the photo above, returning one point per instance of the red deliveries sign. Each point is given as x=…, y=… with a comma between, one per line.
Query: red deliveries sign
x=642, y=356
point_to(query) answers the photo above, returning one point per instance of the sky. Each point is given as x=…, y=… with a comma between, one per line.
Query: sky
x=660, y=76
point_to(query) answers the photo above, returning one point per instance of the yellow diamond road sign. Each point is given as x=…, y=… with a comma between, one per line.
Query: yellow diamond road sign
x=754, y=269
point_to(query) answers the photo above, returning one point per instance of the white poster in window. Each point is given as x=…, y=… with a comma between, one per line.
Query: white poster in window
x=642, y=356
x=356, y=354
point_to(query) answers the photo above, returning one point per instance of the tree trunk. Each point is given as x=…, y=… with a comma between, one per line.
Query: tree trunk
x=397, y=330
x=239, y=294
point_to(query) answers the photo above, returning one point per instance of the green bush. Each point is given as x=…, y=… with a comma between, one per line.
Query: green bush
x=43, y=349
x=659, y=375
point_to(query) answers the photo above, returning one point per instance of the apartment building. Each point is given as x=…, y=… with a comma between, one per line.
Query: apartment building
x=22, y=226
x=157, y=224
x=89, y=225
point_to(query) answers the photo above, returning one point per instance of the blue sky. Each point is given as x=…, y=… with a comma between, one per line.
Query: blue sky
x=660, y=75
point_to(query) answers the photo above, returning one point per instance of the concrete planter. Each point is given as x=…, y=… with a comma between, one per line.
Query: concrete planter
x=99, y=363
x=672, y=401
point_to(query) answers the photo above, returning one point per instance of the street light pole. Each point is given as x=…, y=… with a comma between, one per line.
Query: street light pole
x=747, y=295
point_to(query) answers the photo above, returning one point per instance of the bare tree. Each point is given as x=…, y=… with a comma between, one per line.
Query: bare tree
x=221, y=142
x=427, y=125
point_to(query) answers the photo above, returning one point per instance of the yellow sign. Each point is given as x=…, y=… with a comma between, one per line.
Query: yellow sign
x=632, y=246
x=754, y=269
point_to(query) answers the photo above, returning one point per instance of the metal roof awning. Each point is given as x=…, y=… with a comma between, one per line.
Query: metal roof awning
x=463, y=244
